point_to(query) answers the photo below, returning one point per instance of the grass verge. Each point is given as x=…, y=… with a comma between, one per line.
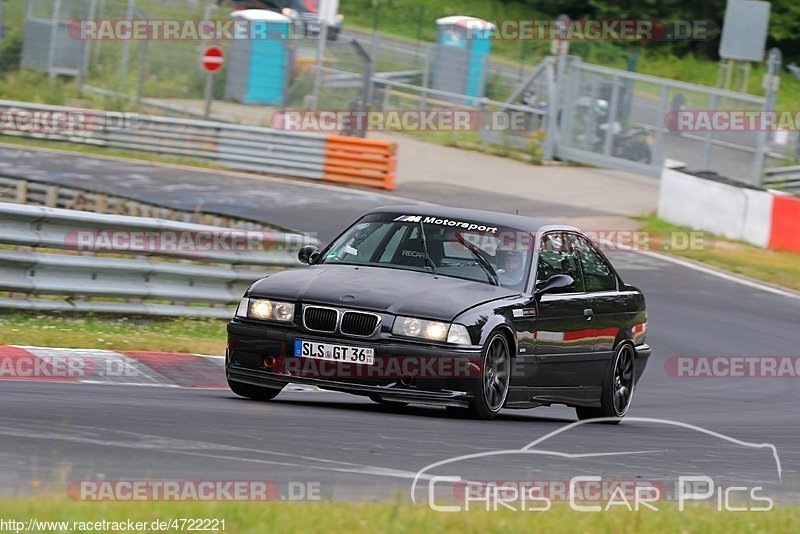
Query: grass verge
x=396, y=517
x=203, y=336
x=471, y=140
x=771, y=266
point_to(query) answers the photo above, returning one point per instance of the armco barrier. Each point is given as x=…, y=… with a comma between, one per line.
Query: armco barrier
x=768, y=219
x=335, y=158
x=367, y=162
x=199, y=279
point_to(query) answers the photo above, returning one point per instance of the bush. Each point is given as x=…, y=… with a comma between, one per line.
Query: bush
x=10, y=52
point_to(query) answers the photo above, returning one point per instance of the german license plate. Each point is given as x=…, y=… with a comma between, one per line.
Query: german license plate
x=334, y=353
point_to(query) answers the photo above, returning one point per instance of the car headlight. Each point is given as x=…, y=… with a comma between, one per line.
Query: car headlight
x=269, y=310
x=433, y=330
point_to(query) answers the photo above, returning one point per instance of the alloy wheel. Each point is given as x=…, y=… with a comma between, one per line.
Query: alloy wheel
x=496, y=373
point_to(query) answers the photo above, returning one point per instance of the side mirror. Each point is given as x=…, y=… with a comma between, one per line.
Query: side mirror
x=557, y=281
x=308, y=254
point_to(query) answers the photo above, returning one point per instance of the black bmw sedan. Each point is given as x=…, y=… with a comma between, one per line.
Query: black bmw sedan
x=471, y=310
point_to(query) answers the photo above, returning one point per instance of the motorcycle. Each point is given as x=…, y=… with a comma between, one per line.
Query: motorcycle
x=631, y=144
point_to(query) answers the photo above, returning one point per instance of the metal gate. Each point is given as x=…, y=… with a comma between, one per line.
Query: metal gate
x=596, y=100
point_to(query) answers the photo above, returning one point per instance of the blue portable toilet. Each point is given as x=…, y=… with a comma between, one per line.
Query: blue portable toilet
x=463, y=44
x=258, y=68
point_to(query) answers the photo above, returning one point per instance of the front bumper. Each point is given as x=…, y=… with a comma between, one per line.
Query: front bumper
x=263, y=355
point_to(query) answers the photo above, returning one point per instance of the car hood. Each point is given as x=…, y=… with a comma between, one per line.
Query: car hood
x=394, y=291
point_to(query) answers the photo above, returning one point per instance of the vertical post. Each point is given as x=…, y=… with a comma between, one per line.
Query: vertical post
x=21, y=196
x=729, y=74
x=420, y=22
x=558, y=86
x=558, y=49
x=707, y=141
x=87, y=44
x=662, y=111
x=771, y=80
x=387, y=93
x=142, y=71
x=745, y=76
x=208, y=92
x=369, y=66
x=100, y=14
x=613, y=107
x=423, y=98
x=207, y=95
x=54, y=19
x=373, y=52
x=323, y=37
x=126, y=50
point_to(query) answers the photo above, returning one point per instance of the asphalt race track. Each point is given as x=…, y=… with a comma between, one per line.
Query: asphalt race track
x=359, y=450
x=297, y=205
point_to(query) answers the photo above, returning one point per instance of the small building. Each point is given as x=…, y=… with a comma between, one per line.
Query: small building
x=258, y=68
x=463, y=47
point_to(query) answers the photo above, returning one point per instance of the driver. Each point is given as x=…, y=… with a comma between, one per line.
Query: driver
x=511, y=269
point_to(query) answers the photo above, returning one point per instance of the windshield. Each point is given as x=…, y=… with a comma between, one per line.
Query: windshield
x=471, y=250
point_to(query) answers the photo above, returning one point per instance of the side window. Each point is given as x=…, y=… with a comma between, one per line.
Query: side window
x=597, y=273
x=556, y=256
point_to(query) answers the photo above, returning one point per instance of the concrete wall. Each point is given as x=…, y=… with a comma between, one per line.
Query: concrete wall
x=764, y=218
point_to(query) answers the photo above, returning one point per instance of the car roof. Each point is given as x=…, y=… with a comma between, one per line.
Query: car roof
x=519, y=222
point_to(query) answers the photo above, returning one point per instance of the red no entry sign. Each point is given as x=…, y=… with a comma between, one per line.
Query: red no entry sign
x=213, y=58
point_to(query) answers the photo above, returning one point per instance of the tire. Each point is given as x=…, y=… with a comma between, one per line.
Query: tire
x=387, y=403
x=637, y=150
x=258, y=393
x=618, y=388
x=491, y=389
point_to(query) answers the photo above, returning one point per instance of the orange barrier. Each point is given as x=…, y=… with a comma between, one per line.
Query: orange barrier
x=785, y=231
x=356, y=161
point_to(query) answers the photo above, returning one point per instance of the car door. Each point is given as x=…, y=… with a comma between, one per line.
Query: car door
x=608, y=306
x=564, y=335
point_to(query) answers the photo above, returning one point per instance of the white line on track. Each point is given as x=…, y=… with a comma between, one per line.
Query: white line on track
x=165, y=444
x=710, y=271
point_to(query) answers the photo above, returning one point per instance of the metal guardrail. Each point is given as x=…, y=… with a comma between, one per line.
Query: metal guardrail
x=785, y=178
x=235, y=146
x=168, y=268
